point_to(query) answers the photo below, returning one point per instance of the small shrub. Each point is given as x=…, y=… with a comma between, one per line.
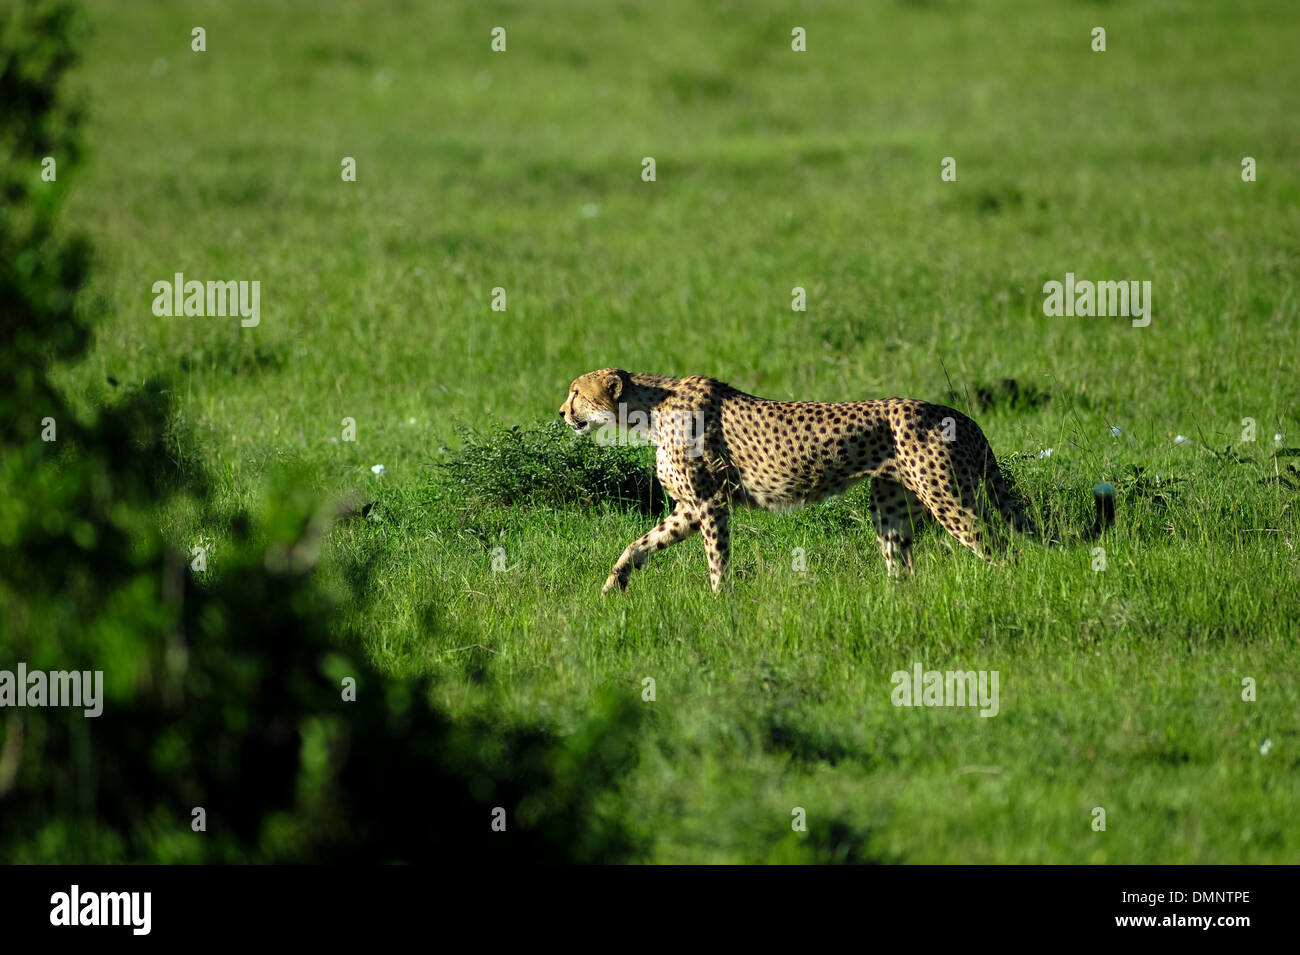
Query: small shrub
x=548, y=466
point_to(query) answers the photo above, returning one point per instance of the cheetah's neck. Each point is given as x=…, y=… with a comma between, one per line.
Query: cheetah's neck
x=649, y=391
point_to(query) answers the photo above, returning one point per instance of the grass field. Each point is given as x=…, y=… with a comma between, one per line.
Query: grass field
x=1120, y=688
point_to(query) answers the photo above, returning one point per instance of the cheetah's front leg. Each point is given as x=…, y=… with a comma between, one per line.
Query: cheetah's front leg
x=679, y=525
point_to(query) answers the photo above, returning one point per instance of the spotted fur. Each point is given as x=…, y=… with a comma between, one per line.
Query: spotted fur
x=717, y=446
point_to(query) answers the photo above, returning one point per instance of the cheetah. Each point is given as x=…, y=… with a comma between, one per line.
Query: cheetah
x=717, y=446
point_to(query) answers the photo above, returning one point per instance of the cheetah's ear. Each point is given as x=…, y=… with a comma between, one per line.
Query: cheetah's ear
x=614, y=384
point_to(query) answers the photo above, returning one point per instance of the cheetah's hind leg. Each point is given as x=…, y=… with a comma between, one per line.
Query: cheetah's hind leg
x=895, y=513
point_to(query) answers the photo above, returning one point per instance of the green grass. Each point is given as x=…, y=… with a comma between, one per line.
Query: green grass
x=1120, y=689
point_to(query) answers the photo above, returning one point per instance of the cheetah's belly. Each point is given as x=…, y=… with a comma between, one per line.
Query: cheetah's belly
x=790, y=492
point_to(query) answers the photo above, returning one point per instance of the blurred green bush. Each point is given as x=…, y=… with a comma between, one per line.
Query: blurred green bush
x=224, y=691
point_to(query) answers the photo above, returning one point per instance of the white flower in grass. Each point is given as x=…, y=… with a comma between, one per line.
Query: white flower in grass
x=378, y=469
x=1265, y=747
x=1182, y=439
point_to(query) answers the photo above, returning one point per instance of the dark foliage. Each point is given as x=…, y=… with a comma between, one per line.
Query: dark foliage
x=1007, y=393
x=222, y=691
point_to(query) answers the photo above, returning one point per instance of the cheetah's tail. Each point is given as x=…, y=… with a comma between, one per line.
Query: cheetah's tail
x=1000, y=490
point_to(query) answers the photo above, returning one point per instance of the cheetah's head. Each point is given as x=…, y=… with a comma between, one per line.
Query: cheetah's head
x=593, y=399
